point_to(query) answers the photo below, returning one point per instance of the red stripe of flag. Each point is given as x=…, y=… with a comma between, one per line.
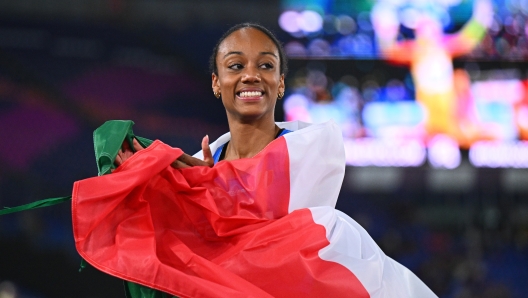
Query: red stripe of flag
x=206, y=232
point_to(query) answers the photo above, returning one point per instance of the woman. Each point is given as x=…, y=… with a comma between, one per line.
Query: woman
x=259, y=223
x=248, y=66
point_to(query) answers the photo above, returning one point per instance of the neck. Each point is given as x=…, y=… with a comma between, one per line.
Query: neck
x=248, y=139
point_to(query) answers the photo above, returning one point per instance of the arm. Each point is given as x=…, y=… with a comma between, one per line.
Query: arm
x=184, y=161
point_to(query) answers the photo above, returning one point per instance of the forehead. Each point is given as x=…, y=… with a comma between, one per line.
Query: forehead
x=247, y=41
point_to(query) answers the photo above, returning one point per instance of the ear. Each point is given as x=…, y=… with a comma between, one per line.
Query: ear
x=215, y=82
x=282, y=86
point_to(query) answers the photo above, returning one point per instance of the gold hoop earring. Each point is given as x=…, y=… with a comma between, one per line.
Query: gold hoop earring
x=281, y=95
x=216, y=94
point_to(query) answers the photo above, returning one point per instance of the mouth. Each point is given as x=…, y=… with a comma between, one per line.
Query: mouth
x=250, y=95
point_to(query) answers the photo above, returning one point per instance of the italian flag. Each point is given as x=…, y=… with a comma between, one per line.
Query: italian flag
x=257, y=227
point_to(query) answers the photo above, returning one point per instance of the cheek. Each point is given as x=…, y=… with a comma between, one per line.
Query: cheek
x=226, y=82
x=274, y=84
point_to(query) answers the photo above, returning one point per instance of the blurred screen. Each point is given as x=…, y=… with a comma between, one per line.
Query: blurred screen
x=413, y=82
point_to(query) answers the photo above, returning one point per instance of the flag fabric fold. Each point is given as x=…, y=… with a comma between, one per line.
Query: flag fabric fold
x=256, y=227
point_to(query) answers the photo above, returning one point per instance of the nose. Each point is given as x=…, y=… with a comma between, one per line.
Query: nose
x=251, y=75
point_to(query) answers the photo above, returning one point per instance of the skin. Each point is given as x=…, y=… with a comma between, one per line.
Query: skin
x=184, y=161
x=247, y=60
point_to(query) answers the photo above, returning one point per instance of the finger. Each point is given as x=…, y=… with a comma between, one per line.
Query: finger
x=192, y=161
x=125, y=146
x=137, y=145
x=207, y=155
x=127, y=155
x=118, y=161
x=179, y=165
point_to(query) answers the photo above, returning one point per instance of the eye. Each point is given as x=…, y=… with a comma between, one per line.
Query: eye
x=235, y=66
x=266, y=66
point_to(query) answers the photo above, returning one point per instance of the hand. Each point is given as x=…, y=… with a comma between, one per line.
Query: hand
x=186, y=161
x=126, y=152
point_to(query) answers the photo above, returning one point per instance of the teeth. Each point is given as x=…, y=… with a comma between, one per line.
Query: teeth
x=250, y=93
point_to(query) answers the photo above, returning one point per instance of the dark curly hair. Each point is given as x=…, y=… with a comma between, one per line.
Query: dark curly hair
x=282, y=56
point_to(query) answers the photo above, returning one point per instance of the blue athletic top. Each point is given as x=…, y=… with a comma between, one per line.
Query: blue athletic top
x=218, y=152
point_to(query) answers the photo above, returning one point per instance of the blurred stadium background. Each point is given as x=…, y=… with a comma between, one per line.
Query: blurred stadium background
x=451, y=206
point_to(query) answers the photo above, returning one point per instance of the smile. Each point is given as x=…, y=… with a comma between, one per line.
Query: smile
x=250, y=94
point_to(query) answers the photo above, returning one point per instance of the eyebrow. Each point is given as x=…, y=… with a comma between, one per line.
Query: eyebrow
x=240, y=53
x=232, y=53
x=269, y=53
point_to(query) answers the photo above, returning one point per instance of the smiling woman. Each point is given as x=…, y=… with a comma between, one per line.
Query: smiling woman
x=248, y=66
x=255, y=219
x=248, y=73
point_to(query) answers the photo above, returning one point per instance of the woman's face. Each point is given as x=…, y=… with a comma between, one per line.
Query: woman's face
x=249, y=78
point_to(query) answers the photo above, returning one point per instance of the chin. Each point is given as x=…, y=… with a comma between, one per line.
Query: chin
x=251, y=116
